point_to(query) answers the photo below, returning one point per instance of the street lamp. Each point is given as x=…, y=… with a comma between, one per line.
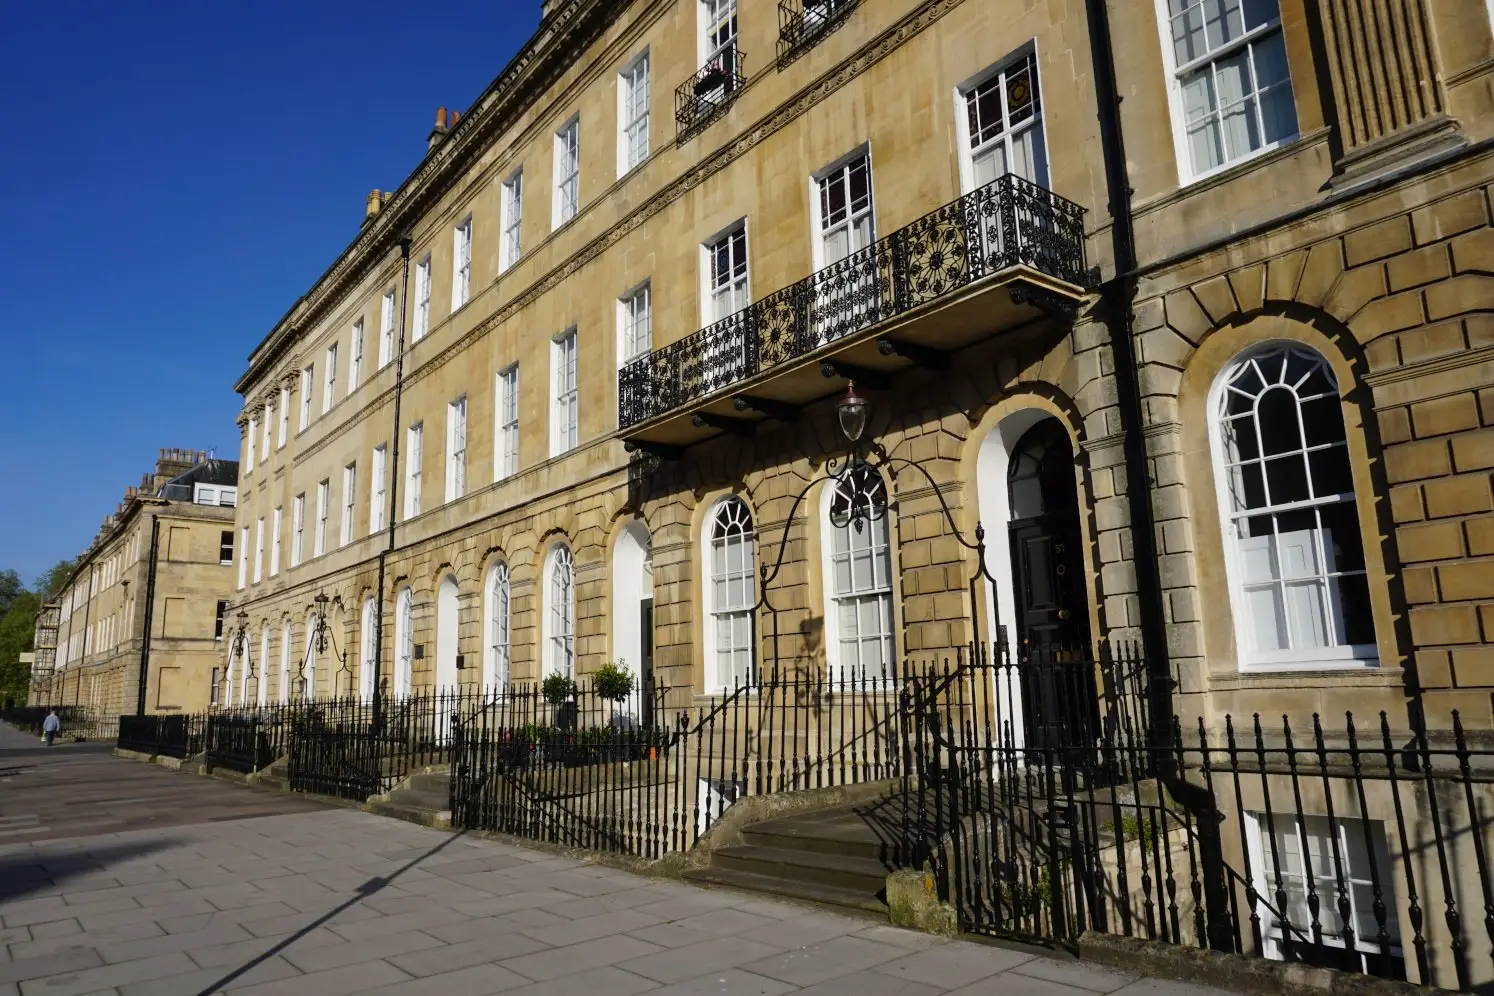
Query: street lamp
x=851, y=412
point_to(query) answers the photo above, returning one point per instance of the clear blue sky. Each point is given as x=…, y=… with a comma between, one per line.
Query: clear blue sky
x=173, y=175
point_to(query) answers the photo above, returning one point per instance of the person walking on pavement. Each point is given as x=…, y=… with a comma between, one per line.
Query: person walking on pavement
x=50, y=726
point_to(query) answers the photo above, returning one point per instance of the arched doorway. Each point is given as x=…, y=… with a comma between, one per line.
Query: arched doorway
x=1047, y=552
x=633, y=605
x=446, y=635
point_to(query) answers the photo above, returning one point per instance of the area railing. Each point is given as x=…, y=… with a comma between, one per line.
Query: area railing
x=713, y=88
x=1007, y=222
x=178, y=735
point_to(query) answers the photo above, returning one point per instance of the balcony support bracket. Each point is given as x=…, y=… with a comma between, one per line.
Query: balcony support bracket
x=777, y=410
x=849, y=371
x=923, y=356
x=725, y=423
x=1051, y=304
x=662, y=451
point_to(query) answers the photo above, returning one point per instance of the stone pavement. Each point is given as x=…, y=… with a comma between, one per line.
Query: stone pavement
x=338, y=901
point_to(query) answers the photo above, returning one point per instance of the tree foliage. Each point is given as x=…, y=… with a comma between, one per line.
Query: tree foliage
x=17, y=629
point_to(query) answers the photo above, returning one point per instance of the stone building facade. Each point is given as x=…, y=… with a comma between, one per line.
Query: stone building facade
x=571, y=389
x=153, y=587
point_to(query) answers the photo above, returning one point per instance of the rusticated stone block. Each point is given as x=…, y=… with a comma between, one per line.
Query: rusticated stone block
x=1444, y=415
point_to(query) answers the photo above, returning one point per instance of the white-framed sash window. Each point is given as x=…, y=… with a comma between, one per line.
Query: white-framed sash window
x=259, y=549
x=456, y=449
x=404, y=643
x=726, y=275
x=378, y=495
x=355, y=357
x=1001, y=124
x=414, y=439
x=495, y=661
x=386, y=328
x=329, y=385
x=275, y=525
x=461, y=263
x=565, y=418
x=349, y=503
x=243, y=556
x=560, y=615
x=512, y=211
x=285, y=416
x=307, y=379
x=632, y=115
x=635, y=324
x=567, y=172
x=323, y=499
x=298, y=528
x=422, y=322
x=731, y=568
x=251, y=440
x=859, y=578
x=506, y=450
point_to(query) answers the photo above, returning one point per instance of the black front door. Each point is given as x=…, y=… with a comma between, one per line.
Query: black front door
x=1052, y=596
x=646, y=663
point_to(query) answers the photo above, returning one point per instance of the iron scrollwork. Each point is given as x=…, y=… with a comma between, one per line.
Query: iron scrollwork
x=1006, y=223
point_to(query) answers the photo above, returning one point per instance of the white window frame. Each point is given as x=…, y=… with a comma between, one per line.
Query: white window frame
x=456, y=448
x=837, y=172
x=366, y=650
x=243, y=557
x=355, y=356
x=566, y=202
x=329, y=385
x=560, y=611
x=264, y=433
x=1009, y=132
x=877, y=534
x=635, y=324
x=421, y=323
x=308, y=378
x=251, y=435
x=259, y=549
x=506, y=423
x=349, y=503
x=708, y=285
x=262, y=679
x=719, y=672
x=404, y=643
x=298, y=528
x=415, y=453
x=1174, y=74
x=386, y=328
x=633, y=115
x=1340, y=656
x=461, y=263
x=497, y=626
x=565, y=406
x=319, y=535
x=378, y=488
x=285, y=416
x=511, y=246
x=275, y=540
x=706, y=19
x=287, y=637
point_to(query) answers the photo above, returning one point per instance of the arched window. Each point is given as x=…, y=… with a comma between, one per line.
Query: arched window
x=404, y=642
x=858, y=577
x=495, y=640
x=560, y=612
x=366, y=651
x=730, y=592
x=285, y=662
x=261, y=669
x=1294, y=549
x=308, y=672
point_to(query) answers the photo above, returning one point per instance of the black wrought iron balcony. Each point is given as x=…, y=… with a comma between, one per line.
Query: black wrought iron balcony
x=1011, y=233
x=699, y=99
x=802, y=23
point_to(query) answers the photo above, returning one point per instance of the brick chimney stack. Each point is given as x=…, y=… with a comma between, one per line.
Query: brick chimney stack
x=439, y=131
x=173, y=461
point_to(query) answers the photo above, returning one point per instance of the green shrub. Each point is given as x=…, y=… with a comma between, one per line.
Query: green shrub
x=612, y=681
x=558, y=689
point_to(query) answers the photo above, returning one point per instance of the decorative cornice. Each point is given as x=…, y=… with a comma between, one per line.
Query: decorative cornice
x=527, y=77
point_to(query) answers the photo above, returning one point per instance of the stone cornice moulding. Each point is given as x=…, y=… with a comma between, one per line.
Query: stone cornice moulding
x=527, y=77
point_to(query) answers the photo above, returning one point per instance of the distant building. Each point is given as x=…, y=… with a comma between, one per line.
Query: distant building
x=150, y=591
x=44, y=653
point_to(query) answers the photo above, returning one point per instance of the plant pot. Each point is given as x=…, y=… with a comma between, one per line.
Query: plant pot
x=712, y=80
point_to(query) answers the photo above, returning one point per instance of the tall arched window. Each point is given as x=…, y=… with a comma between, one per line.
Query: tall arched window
x=560, y=612
x=730, y=592
x=308, y=671
x=261, y=668
x=1294, y=549
x=404, y=642
x=285, y=662
x=366, y=650
x=495, y=640
x=858, y=577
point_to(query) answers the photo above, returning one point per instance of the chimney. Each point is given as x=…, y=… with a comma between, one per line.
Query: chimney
x=373, y=205
x=439, y=131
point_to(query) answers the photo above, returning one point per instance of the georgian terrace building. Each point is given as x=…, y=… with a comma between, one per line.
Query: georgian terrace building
x=1185, y=304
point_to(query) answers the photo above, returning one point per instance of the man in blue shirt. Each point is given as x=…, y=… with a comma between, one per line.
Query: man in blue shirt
x=50, y=726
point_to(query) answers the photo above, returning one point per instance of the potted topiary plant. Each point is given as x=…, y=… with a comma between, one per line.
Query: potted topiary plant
x=560, y=692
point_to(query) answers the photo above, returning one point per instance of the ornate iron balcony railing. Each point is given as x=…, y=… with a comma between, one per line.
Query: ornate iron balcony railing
x=802, y=23
x=700, y=98
x=1009, y=221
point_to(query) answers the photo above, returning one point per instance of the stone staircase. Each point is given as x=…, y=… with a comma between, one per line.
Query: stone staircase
x=836, y=857
x=423, y=798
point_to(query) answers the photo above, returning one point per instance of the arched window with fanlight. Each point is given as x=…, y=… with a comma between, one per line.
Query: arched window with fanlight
x=730, y=592
x=495, y=659
x=404, y=643
x=560, y=612
x=1294, y=549
x=858, y=576
x=367, y=647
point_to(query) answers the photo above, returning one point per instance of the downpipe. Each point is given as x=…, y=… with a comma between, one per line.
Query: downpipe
x=1117, y=306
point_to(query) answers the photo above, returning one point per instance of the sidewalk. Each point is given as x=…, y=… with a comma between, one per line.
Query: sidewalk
x=339, y=901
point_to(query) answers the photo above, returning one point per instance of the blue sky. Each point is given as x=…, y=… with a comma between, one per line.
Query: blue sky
x=173, y=175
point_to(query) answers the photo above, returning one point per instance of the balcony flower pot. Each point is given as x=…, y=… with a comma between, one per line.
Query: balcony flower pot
x=711, y=79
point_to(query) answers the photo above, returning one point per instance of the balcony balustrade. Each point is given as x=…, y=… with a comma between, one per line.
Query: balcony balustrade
x=1010, y=226
x=802, y=23
x=699, y=99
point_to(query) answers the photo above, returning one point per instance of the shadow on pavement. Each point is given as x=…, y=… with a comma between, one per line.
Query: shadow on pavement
x=370, y=888
x=26, y=872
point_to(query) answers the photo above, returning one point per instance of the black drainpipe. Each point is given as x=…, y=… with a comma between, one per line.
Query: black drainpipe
x=393, y=489
x=1117, y=299
x=150, y=604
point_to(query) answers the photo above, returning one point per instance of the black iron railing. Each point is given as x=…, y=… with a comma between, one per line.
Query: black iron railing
x=178, y=735
x=702, y=97
x=802, y=23
x=245, y=740
x=1009, y=221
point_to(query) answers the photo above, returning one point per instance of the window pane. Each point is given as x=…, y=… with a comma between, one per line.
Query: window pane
x=1280, y=430
x=1330, y=472
x=1223, y=21
x=1357, y=614
x=1297, y=544
x=1286, y=480
x=1267, y=618
x=1323, y=420
x=1342, y=538
x=1246, y=489
x=1187, y=33
x=1239, y=439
